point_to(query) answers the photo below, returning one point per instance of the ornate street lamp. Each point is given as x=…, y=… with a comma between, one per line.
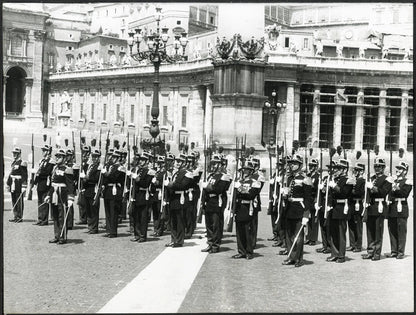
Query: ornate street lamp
x=156, y=43
x=270, y=118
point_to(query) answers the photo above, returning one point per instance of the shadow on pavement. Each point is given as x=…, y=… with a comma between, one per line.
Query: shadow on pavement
x=75, y=241
x=260, y=246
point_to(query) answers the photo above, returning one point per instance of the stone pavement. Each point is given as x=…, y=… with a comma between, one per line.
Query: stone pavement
x=83, y=275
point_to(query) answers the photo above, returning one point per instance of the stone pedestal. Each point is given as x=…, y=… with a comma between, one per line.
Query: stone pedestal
x=237, y=101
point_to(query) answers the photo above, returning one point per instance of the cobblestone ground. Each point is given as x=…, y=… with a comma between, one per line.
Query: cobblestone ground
x=83, y=275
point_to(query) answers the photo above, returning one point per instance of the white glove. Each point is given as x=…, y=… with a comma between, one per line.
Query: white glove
x=370, y=185
x=305, y=221
x=103, y=171
x=47, y=199
x=23, y=190
x=82, y=175
x=153, y=180
x=33, y=170
x=166, y=182
x=70, y=203
x=204, y=185
x=128, y=173
x=237, y=185
x=332, y=184
x=285, y=191
x=320, y=186
x=134, y=175
x=278, y=180
x=317, y=207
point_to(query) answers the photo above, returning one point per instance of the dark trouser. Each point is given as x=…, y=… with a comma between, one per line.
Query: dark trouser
x=123, y=212
x=177, y=225
x=313, y=226
x=194, y=213
x=397, y=232
x=292, y=228
x=58, y=215
x=18, y=208
x=375, y=228
x=245, y=235
x=92, y=214
x=273, y=217
x=158, y=220
x=189, y=218
x=281, y=229
x=70, y=220
x=255, y=226
x=111, y=216
x=325, y=235
x=355, y=229
x=338, y=239
x=82, y=211
x=221, y=215
x=43, y=210
x=213, y=225
x=140, y=221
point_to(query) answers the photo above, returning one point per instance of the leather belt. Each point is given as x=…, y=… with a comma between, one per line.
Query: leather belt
x=16, y=176
x=56, y=185
x=245, y=201
x=378, y=199
x=213, y=195
x=400, y=199
x=179, y=192
x=143, y=189
x=342, y=200
x=295, y=199
x=357, y=199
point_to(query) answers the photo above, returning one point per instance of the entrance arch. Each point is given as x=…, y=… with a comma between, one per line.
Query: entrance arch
x=15, y=90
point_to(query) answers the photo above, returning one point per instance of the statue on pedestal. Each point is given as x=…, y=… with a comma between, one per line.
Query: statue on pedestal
x=339, y=49
x=65, y=114
x=319, y=48
x=113, y=60
x=273, y=32
x=126, y=61
x=361, y=52
x=58, y=67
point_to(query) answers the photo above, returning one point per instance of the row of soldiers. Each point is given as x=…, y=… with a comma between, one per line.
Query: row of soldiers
x=171, y=190
x=335, y=204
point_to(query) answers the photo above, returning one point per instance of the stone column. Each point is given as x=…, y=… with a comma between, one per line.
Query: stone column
x=316, y=114
x=381, y=123
x=28, y=96
x=404, y=120
x=339, y=102
x=288, y=117
x=296, y=112
x=359, y=120
x=5, y=77
x=208, y=111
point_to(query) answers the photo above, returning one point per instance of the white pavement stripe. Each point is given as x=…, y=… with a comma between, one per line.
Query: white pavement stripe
x=163, y=284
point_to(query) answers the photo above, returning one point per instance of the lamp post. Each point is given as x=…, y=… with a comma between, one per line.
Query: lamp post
x=271, y=112
x=156, y=53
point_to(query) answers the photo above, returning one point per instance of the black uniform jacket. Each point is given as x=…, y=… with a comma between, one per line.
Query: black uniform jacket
x=218, y=184
x=398, y=197
x=300, y=199
x=114, y=177
x=245, y=194
x=142, y=183
x=355, y=202
x=381, y=187
x=18, y=176
x=62, y=187
x=340, y=195
x=181, y=181
x=260, y=178
x=43, y=174
x=89, y=182
x=156, y=186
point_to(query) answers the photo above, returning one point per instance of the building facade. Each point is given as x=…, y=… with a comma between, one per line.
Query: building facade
x=344, y=73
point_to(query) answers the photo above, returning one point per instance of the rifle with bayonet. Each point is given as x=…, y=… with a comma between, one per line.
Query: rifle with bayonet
x=232, y=202
x=282, y=185
x=80, y=196
x=318, y=194
x=202, y=194
x=366, y=195
x=32, y=176
x=99, y=186
x=332, y=151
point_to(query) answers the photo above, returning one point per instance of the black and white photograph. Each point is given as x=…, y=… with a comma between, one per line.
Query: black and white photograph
x=216, y=157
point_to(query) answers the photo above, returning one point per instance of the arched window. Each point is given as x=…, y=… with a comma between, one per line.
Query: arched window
x=16, y=45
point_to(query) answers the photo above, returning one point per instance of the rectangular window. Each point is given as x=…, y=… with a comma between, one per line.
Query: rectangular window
x=305, y=43
x=267, y=10
x=393, y=102
x=132, y=113
x=184, y=116
x=105, y=112
x=410, y=122
x=118, y=118
x=165, y=115
x=327, y=113
x=202, y=16
x=371, y=97
x=273, y=12
x=53, y=109
x=287, y=42
x=147, y=114
x=81, y=110
x=92, y=111
x=348, y=127
x=306, y=110
x=193, y=13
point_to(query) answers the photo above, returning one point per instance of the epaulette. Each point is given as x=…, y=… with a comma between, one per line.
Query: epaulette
x=261, y=178
x=76, y=166
x=256, y=184
x=151, y=172
x=52, y=161
x=409, y=182
x=389, y=179
x=24, y=164
x=69, y=171
x=195, y=172
x=307, y=181
x=121, y=168
x=226, y=177
x=351, y=181
x=189, y=175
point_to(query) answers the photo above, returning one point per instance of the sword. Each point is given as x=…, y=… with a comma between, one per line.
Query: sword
x=17, y=201
x=295, y=240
